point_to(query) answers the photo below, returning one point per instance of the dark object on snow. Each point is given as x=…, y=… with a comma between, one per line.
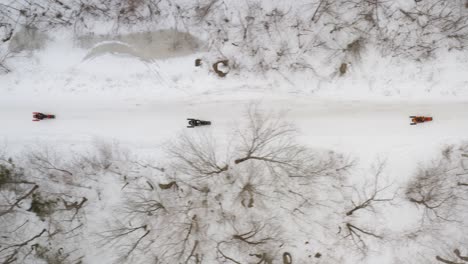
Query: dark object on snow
x=198, y=62
x=343, y=68
x=420, y=119
x=39, y=116
x=225, y=68
x=196, y=122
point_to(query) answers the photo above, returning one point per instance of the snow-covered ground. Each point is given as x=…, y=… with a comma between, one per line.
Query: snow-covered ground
x=138, y=88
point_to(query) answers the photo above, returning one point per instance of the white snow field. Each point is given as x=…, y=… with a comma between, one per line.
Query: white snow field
x=122, y=87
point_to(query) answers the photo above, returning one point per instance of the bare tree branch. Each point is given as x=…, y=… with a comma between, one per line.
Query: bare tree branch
x=366, y=199
x=18, y=200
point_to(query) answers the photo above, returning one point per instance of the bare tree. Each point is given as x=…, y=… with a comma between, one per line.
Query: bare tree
x=269, y=139
x=374, y=193
x=359, y=236
x=196, y=156
x=11, y=253
x=3, y=58
x=47, y=161
x=232, y=204
x=459, y=258
x=436, y=190
x=40, y=211
x=15, y=191
x=266, y=138
x=371, y=193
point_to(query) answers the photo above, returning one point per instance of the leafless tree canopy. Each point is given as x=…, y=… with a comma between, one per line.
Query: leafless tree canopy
x=43, y=200
x=275, y=38
x=439, y=192
x=20, y=195
x=438, y=188
x=250, y=200
x=365, y=201
x=235, y=200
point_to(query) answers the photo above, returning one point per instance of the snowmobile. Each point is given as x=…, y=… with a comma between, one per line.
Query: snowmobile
x=196, y=122
x=420, y=119
x=40, y=116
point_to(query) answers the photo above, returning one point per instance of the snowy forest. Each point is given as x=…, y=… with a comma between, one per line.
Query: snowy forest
x=309, y=158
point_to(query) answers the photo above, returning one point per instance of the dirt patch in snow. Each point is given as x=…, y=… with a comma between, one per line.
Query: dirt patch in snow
x=161, y=44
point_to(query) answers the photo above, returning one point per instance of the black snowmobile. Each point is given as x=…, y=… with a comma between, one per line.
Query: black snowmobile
x=197, y=122
x=40, y=116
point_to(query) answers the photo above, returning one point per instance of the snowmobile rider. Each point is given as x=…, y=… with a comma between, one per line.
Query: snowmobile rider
x=194, y=122
x=39, y=116
x=419, y=119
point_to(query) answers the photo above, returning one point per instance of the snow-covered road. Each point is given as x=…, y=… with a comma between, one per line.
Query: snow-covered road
x=353, y=126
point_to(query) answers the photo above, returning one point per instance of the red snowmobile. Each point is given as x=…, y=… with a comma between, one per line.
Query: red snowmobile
x=40, y=116
x=420, y=119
